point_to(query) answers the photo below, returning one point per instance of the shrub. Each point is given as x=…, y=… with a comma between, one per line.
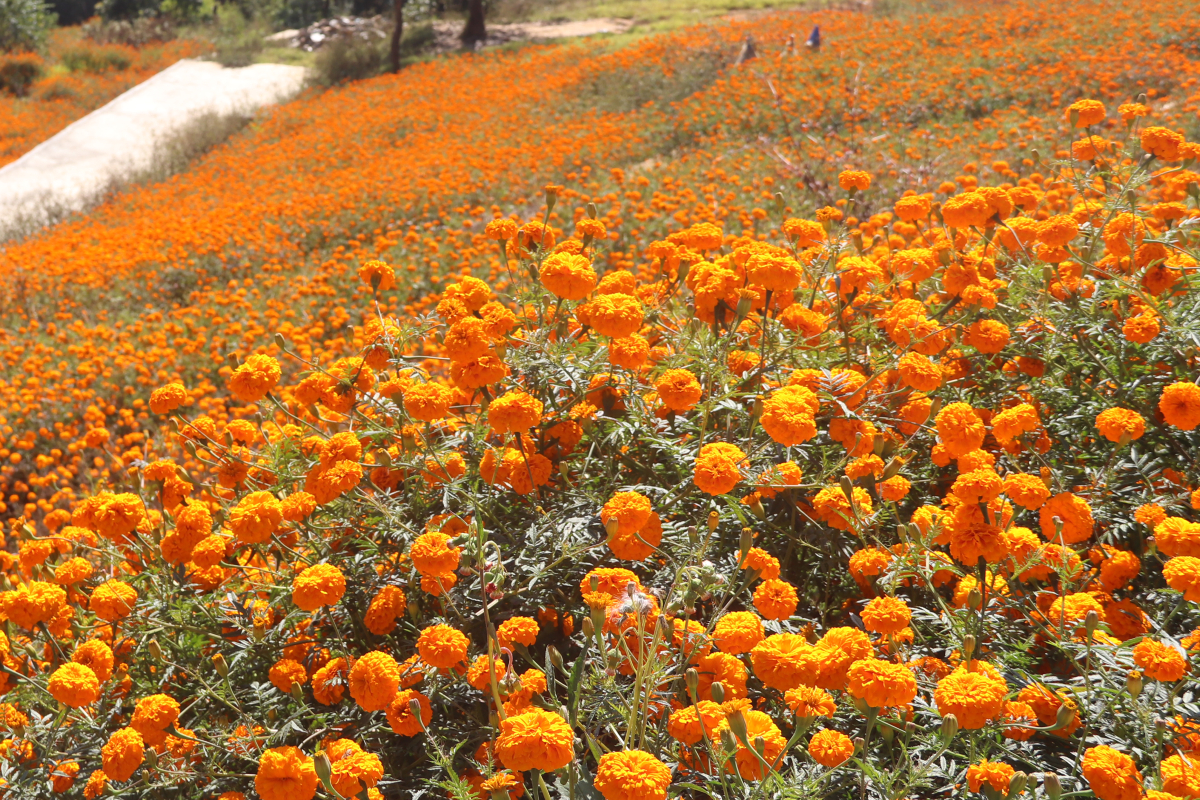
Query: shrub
x=238, y=40
x=97, y=59
x=350, y=59
x=24, y=25
x=133, y=33
x=18, y=71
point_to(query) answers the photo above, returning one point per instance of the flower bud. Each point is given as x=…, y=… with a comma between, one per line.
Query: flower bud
x=727, y=740
x=1017, y=783
x=718, y=692
x=297, y=692
x=949, y=727
x=692, y=679
x=756, y=507
x=151, y=758
x=556, y=658
x=221, y=665
x=968, y=648
x=589, y=630
x=155, y=649
x=1052, y=786
x=714, y=519
x=745, y=543
x=847, y=488
x=324, y=769
x=1090, y=622
x=1134, y=682
x=1065, y=716
x=737, y=723
x=611, y=527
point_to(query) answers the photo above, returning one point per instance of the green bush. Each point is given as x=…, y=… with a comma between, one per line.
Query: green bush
x=18, y=72
x=135, y=33
x=96, y=59
x=24, y=25
x=351, y=59
x=238, y=40
x=135, y=9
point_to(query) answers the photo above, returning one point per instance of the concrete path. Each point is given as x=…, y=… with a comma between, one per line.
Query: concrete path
x=118, y=141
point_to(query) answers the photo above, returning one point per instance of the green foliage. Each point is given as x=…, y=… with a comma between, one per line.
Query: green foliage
x=18, y=72
x=96, y=59
x=24, y=25
x=238, y=39
x=351, y=59
x=134, y=33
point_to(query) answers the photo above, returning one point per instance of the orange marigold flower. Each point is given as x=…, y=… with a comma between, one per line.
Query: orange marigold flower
x=122, y=754
x=691, y=724
x=994, y=773
x=1180, y=405
x=568, y=276
x=255, y=517
x=679, y=390
x=785, y=660
x=96, y=656
x=517, y=630
x=111, y=601
x=787, y=415
x=836, y=510
x=286, y=673
x=854, y=179
x=1159, y=661
x=427, y=402
x=514, y=412
x=74, y=685
x=967, y=210
x=400, y=713
x=167, y=398
x=285, y=773
x=374, y=680
x=632, y=775
x=430, y=554
x=1028, y=491
x=975, y=696
x=1090, y=112
x=759, y=725
x=33, y=603
x=763, y=562
x=804, y=232
x=442, y=647
x=1116, y=424
x=718, y=468
x=1141, y=328
x=152, y=716
x=1182, y=574
x=810, y=701
x=881, y=683
x=630, y=510
x=615, y=315
x=919, y=372
x=1074, y=515
x=886, y=615
x=354, y=770
x=256, y=376
x=1111, y=774
x=830, y=748
x=738, y=632
x=377, y=274
x=1180, y=776
x=317, y=586
x=535, y=739
x=960, y=429
x=776, y=599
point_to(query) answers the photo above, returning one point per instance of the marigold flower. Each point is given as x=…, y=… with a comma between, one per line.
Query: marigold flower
x=286, y=673
x=1180, y=776
x=615, y=315
x=804, y=232
x=830, y=748
x=96, y=656
x=967, y=210
x=886, y=615
x=568, y=276
x=1074, y=514
x=167, y=398
x=854, y=179
x=33, y=603
x=285, y=773
x=317, y=586
x=431, y=556
x=400, y=716
x=514, y=412
x=691, y=724
x=810, y=701
x=738, y=632
x=111, y=601
x=919, y=372
x=1028, y=491
x=758, y=725
x=256, y=517
x=975, y=696
x=678, y=390
x=1111, y=774
x=881, y=683
x=152, y=716
x=517, y=630
x=123, y=754
x=784, y=661
x=1090, y=112
x=442, y=647
x=835, y=509
x=354, y=770
x=1159, y=661
x=995, y=774
x=776, y=599
x=254, y=378
x=74, y=685
x=787, y=415
x=960, y=429
x=535, y=739
x=718, y=468
x=1180, y=405
x=632, y=775
x=374, y=680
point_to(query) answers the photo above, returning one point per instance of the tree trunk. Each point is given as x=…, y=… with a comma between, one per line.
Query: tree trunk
x=397, y=32
x=475, y=31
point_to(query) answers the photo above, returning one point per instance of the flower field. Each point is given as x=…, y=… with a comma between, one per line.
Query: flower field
x=78, y=77
x=579, y=422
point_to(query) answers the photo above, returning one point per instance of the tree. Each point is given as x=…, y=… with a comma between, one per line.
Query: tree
x=475, y=31
x=397, y=32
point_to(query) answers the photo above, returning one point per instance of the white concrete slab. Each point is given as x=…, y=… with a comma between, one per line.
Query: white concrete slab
x=118, y=141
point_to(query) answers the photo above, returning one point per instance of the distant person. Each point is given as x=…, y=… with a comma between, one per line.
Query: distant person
x=814, y=38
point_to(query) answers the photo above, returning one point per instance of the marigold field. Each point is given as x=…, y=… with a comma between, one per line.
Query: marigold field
x=582, y=421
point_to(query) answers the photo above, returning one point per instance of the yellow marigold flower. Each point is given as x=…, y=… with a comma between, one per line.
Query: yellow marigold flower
x=632, y=775
x=123, y=754
x=254, y=378
x=74, y=685
x=830, y=748
x=317, y=586
x=535, y=739
x=285, y=773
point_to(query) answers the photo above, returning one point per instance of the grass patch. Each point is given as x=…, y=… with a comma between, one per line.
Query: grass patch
x=649, y=15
